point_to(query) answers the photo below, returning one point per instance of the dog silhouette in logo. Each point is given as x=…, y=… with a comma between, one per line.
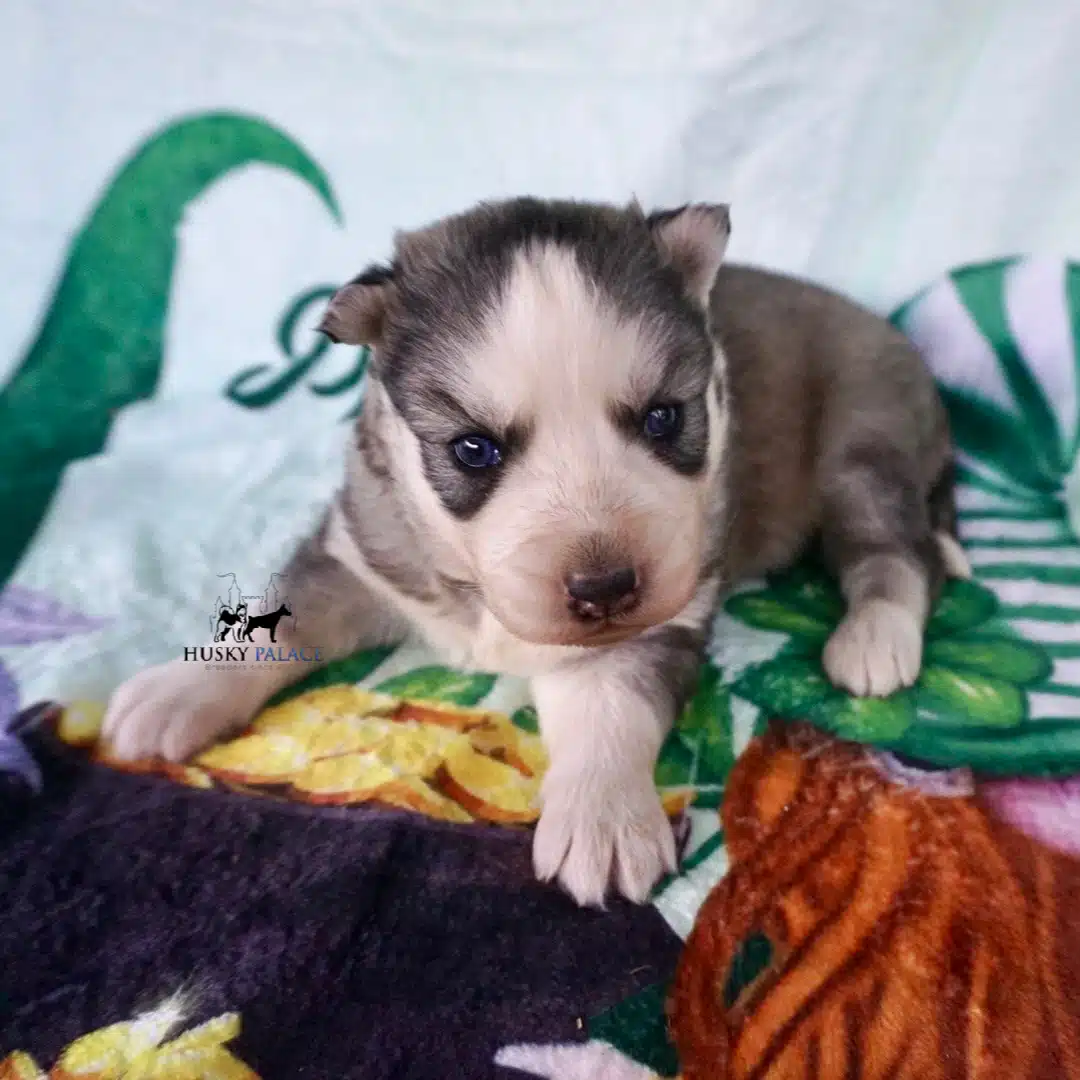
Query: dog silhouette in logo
x=231, y=620
x=269, y=621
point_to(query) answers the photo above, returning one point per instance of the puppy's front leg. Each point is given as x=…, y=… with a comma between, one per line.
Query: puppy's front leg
x=603, y=718
x=177, y=708
x=878, y=540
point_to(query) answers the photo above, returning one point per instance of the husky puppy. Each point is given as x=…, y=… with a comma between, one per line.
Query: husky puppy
x=579, y=429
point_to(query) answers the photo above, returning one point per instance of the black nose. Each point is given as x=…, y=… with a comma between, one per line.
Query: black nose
x=603, y=591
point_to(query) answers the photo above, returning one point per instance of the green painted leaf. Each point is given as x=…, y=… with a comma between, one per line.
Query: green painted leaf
x=716, y=755
x=526, y=719
x=761, y=723
x=704, y=851
x=436, y=683
x=708, y=800
x=100, y=346
x=699, y=710
x=638, y=1028
x=1014, y=660
x=707, y=721
x=967, y=699
x=675, y=767
x=809, y=588
x=785, y=686
x=995, y=437
x=1042, y=748
x=873, y=720
x=765, y=611
x=350, y=670
x=963, y=605
x=966, y=476
x=752, y=957
x=1072, y=292
x=982, y=291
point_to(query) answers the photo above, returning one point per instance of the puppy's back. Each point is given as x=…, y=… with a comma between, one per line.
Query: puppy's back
x=809, y=371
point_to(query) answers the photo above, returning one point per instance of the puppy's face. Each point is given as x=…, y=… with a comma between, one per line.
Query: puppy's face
x=559, y=413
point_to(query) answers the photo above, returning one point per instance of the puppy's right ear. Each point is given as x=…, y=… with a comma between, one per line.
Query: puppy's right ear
x=693, y=239
x=356, y=314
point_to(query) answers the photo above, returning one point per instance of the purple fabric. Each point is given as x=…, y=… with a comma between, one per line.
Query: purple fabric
x=27, y=617
x=354, y=943
x=17, y=764
x=1048, y=810
x=9, y=700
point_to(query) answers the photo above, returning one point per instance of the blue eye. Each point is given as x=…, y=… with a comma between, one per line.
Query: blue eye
x=477, y=451
x=663, y=421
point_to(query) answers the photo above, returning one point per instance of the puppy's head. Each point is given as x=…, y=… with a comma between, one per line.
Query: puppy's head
x=558, y=403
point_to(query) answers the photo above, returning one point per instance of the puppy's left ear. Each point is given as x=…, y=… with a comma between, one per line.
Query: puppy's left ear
x=692, y=240
x=356, y=314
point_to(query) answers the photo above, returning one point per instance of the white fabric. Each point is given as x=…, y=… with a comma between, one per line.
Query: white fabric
x=869, y=143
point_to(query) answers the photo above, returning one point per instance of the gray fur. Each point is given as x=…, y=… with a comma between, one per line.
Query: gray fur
x=339, y=614
x=670, y=665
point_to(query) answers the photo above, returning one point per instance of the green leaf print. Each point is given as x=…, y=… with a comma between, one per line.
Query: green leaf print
x=351, y=669
x=716, y=755
x=764, y=612
x=997, y=438
x=705, y=724
x=982, y=290
x=963, y=606
x=436, y=683
x=1043, y=748
x=785, y=686
x=699, y=710
x=809, y=589
x=878, y=720
x=1072, y=293
x=752, y=957
x=101, y=345
x=1013, y=659
x=675, y=767
x=638, y=1028
x=974, y=677
x=966, y=699
x=526, y=719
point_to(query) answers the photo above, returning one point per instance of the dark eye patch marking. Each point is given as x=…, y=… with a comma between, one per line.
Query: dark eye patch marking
x=446, y=294
x=463, y=491
x=685, y=452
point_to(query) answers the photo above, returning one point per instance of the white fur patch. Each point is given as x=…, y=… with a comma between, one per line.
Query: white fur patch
x=588, y=1061
x=957, y=564
x=601, y=820
x=876, y=649
x=596, y=828
x=480, y=645
x=174, y=709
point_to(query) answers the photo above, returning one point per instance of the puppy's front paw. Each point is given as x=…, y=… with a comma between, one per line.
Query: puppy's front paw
x=876, y=650
x=173, y=710
x=595, y=828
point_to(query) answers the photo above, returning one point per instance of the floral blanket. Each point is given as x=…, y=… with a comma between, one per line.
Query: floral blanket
x=344, y=889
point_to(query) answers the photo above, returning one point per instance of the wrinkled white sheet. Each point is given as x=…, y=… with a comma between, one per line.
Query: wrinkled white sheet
x=869, y=143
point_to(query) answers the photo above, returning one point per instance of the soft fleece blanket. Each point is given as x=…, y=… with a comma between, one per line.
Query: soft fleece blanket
x=344, y=890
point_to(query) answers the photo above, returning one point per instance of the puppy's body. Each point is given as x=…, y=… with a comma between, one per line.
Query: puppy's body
x=579, y=429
